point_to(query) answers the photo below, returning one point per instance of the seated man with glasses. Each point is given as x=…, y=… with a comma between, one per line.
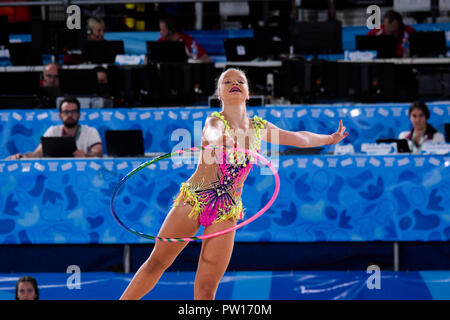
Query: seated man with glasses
x=88, y=141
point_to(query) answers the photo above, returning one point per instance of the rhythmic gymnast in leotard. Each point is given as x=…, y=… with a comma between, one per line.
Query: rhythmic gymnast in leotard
x=211, y=197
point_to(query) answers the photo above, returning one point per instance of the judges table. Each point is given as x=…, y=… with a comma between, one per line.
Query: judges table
x=322, y=198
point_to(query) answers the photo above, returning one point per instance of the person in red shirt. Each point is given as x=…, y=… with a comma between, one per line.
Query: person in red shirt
x=170, y=32
x=393, y=25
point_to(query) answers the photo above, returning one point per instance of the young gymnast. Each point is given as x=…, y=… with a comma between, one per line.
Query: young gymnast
x=211, y=197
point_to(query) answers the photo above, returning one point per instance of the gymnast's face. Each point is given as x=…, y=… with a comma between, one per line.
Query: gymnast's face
x=233, y=86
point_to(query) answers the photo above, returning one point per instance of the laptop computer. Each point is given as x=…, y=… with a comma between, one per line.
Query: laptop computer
x=402, y=144
x=62, y=147
x=271, y=41
x=427, y=44
x=4, y=31
x=447, y=132
x=103, y=51
x=21, y=54
x=166, y=51
x=384, y=45
x=124, y=143
x=316, y=37
x=240, y=49
x=78, y=82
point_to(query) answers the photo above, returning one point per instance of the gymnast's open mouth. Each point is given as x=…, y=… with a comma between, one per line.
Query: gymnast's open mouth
x=235, y=89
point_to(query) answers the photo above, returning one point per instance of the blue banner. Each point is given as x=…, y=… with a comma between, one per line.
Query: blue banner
x=20, y=130
x=322, y=198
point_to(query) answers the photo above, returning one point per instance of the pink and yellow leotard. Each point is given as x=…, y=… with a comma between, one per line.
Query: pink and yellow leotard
x=214, y=191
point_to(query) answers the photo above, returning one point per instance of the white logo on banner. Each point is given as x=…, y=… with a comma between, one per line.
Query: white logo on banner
x=132, y=115
x=419, y=161
x=29, y=116
x=397, y=112
x=12, y=167
x=383, y=112
x=375, y=162
x=197, y=115
x=158, y=115
x=434, y=161
x=109, y=165
x=145, y=115
x=301, y=113
x=80, y=165
x=106, y=115
x=342, y=112
x=287, y=163
x=26, y=167
x=66, y=166
x=389, y=162
x=184, y=115
x=403, y=162
x=16, y=116
x=315, y=113
x=329, y=113
x=96, y=115
x=42, y=116
x=53, y=166
x=438, y=111
x=318, y=163
x=332, y=162
x=288, y=113
x=346, y=162
x=262, y=113
x=370, y=112
x=39, y=167
x=275, y=113
x=172, y=115
x=301, y=163
x=361, y=162
x=95, y=166
x=4, y=116
x=163, y=165
x=119, y=115
x=122, y=165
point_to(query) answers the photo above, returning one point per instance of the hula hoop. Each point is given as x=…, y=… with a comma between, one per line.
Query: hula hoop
x=210, y=235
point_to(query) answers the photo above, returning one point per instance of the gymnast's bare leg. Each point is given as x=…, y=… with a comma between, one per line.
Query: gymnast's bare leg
x=214, y=259
x=176, y=224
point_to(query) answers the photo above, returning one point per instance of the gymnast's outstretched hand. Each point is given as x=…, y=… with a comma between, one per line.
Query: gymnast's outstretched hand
x=339, y=135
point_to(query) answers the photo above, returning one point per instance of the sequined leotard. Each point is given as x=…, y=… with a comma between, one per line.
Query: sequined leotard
x=214, y=191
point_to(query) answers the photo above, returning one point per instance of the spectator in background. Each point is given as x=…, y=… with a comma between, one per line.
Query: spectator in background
x=95, y=29
x=393, y=25
x=50, y=75
x=422, y=132
x=27, y=289
x=171, y=32
x=88, y=141
x=49, y=86
x=104, y=90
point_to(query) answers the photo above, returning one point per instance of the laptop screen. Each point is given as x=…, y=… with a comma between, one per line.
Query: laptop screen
x=166, y=51
x=62, y=147
x=240, y=49
x=402, y=144
x=124, y=143
x=428, y=44
x=383, y=44
x=103, y=51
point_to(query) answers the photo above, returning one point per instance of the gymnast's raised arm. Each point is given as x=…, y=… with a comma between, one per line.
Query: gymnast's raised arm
x=301, y=139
